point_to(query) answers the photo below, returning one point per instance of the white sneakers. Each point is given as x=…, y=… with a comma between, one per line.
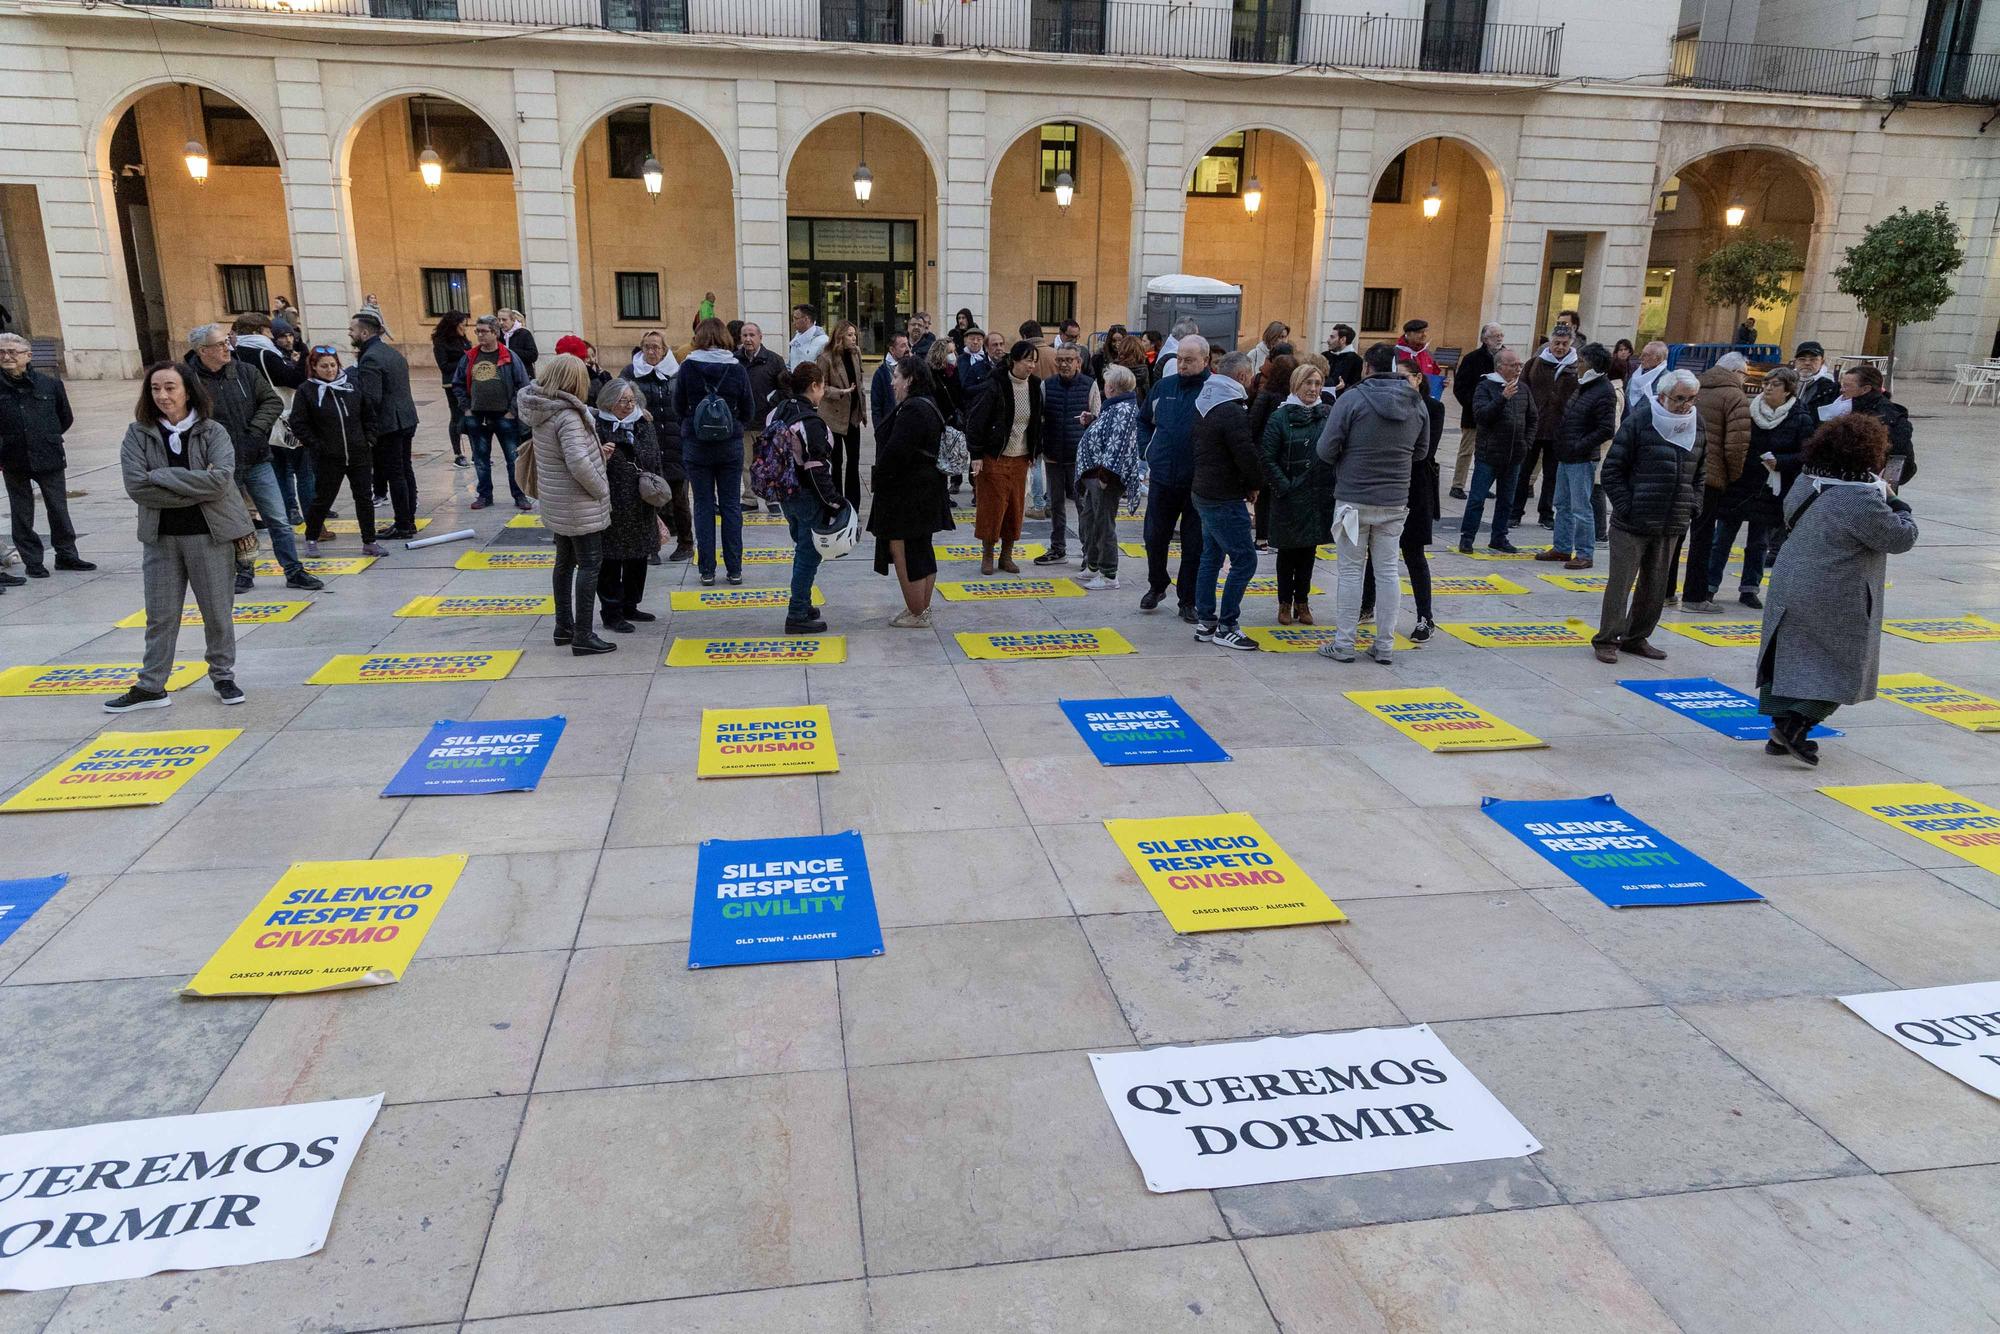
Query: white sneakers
x=1092, y=580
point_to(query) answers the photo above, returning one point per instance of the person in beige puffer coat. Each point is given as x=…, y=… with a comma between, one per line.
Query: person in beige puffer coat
x=574, y=491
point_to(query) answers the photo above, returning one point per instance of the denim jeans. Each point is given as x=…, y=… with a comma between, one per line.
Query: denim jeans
x=262, y=484
x=1576, y=520
x=1379, y=535
x=297, y=482
x=1225, y=532
x=1501, y=485
x=1168, y=507
x=1697, y=587
x=482, y=427
x=717, y=490
x=1754, y=549
x=579, y=560
x=1038, y=490
x=802, y=511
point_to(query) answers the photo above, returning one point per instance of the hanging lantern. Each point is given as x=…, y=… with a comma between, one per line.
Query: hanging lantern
x=1735, y=213
x=197, y=161
x=1253, y=190
x=864, y=179
x=1434, y=197
x=1065, y=189
x=429, y=165
x=654, y=175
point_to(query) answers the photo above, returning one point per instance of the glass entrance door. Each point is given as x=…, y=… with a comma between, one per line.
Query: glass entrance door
x=856, y=269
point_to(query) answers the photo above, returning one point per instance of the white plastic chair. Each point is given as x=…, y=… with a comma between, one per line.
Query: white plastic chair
x=1968, y=378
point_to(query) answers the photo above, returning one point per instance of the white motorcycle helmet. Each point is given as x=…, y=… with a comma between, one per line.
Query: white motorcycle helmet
x=836, y=534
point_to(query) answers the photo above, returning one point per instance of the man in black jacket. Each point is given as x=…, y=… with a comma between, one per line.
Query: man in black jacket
x=1861, y=386
x=34, y=413
x=1818, y=385
x=246, y=405
x=1587, y=423
x=1070, y=402
x=1503, y=413
x=1472, y=368
x=1228, y=469
x=382, y=378
x=1652, y=476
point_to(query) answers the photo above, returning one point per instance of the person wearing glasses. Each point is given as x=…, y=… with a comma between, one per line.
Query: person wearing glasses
x=34, y=413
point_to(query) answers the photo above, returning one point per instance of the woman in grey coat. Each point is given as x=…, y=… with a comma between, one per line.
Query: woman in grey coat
x=179, y=467
x=1823, y=622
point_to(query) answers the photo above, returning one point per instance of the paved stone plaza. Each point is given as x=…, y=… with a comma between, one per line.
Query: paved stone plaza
x=583, y=1135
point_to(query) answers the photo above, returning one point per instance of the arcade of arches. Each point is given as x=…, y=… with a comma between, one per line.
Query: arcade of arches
x=196, y=252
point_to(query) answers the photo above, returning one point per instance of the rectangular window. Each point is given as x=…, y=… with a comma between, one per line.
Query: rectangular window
x=646, y=15
x=243, y=288
x=1054, y=303
x=234, y=138
x=461, y=137
x=638, y=296
x=1389, y=190
x=1058, y=155
x=444, y=289
x=1670, y=196
x=1378, y=309
x=507, y=290
x=629, y=136
x=1219, y=174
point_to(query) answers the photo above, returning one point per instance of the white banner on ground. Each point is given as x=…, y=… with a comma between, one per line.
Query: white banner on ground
x=1956, y=1029
x=129, y=1198
x=1283, y=1109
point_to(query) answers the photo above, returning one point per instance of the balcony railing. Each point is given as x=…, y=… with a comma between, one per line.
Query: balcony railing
x=1755, y=67
x=1946, y=76
x=1281, y=33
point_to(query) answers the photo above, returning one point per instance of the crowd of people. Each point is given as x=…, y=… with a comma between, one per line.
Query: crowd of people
x=1231, y=454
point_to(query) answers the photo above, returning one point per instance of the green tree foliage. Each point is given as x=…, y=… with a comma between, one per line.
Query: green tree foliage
x=1901, y=271
x=1750, y=272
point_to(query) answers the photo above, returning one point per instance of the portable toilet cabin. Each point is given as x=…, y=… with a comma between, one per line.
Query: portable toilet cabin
x=1214, y=305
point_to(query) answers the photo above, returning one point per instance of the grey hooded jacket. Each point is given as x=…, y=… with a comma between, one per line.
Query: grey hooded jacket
x=1372, y=439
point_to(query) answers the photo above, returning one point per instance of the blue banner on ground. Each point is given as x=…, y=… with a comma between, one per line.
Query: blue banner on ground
x=20, y=898
x=1718, y=707
x=1142, y=731
x=777, y=900
x=1615, y=855
x=468, y=759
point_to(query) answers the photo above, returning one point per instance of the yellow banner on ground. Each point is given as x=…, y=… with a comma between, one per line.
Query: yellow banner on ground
x=763, y=518
x=949, y=551
x=525, y=521
x=506, y=560
x=1722, y=634
x=777, y=651
x=327, y=926
x=768, y=555
x=1937, y=815
x=353, y=526
x=241, y=612
x=369, y=669
x=1577, y=583
x=525, y=605
x=86, y=678
x=1008, y=590
x=1940, y=699
x=775, y=739
x=964, y=514
x=123, y=769
x=1447, y=584
x=1945, y=630
x=1219, y=873
x=1268, y=588
x=1441, y=720
x=1567, y=633
x=322, y=566
x=1017, y=645
x=1308, y=638
x=1138, y=549
x=1488, y=553
x=731, y=599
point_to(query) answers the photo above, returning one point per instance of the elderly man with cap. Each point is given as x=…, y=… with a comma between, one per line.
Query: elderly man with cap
x=382, y=378
x=1818, y=385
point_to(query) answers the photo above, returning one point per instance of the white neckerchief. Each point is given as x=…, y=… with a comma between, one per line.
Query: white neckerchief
x=172, y=433
x=1292, y=400
x=1588, y=376
x=337, y=383
x=1840, y=407
x=1642, y=382
x=1676, y=429
x=1875, y=484
x=1766, y=416
x=628, y=419
x=1568, y=359
x=666, y=365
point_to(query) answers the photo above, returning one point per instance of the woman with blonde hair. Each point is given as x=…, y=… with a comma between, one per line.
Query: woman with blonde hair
x=845, y=407
x=574, y=489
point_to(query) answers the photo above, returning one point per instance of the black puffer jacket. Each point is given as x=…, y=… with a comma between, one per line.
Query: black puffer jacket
x=1506, y=425
x=1651, y=482
x=1227, y=465
x=1588, y=421
x=990, y=416
x=246, y=405
x=334, y=422
x=1786, y=442
x=1902, y=441
x=34, y=413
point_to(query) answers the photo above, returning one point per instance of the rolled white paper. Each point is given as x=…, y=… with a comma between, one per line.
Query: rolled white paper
x=458, y=536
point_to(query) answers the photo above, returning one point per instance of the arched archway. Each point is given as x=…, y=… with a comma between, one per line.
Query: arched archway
x=867, y=261
x=195, y=249
x=646, y=261
x=1442, y=268
x=1274, y=253
x=419, y=250
x=1080, y=263
x=1779, y=196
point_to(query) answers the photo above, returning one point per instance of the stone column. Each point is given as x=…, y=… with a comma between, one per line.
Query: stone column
x=542, y=194
x=763, y=255
x=323, y=268
x=964, y=210
x=1162, y=198
x=1353, y=182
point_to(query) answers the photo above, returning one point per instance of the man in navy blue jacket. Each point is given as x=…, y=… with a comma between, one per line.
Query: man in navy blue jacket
x=882, y=388
x=1166, y=434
